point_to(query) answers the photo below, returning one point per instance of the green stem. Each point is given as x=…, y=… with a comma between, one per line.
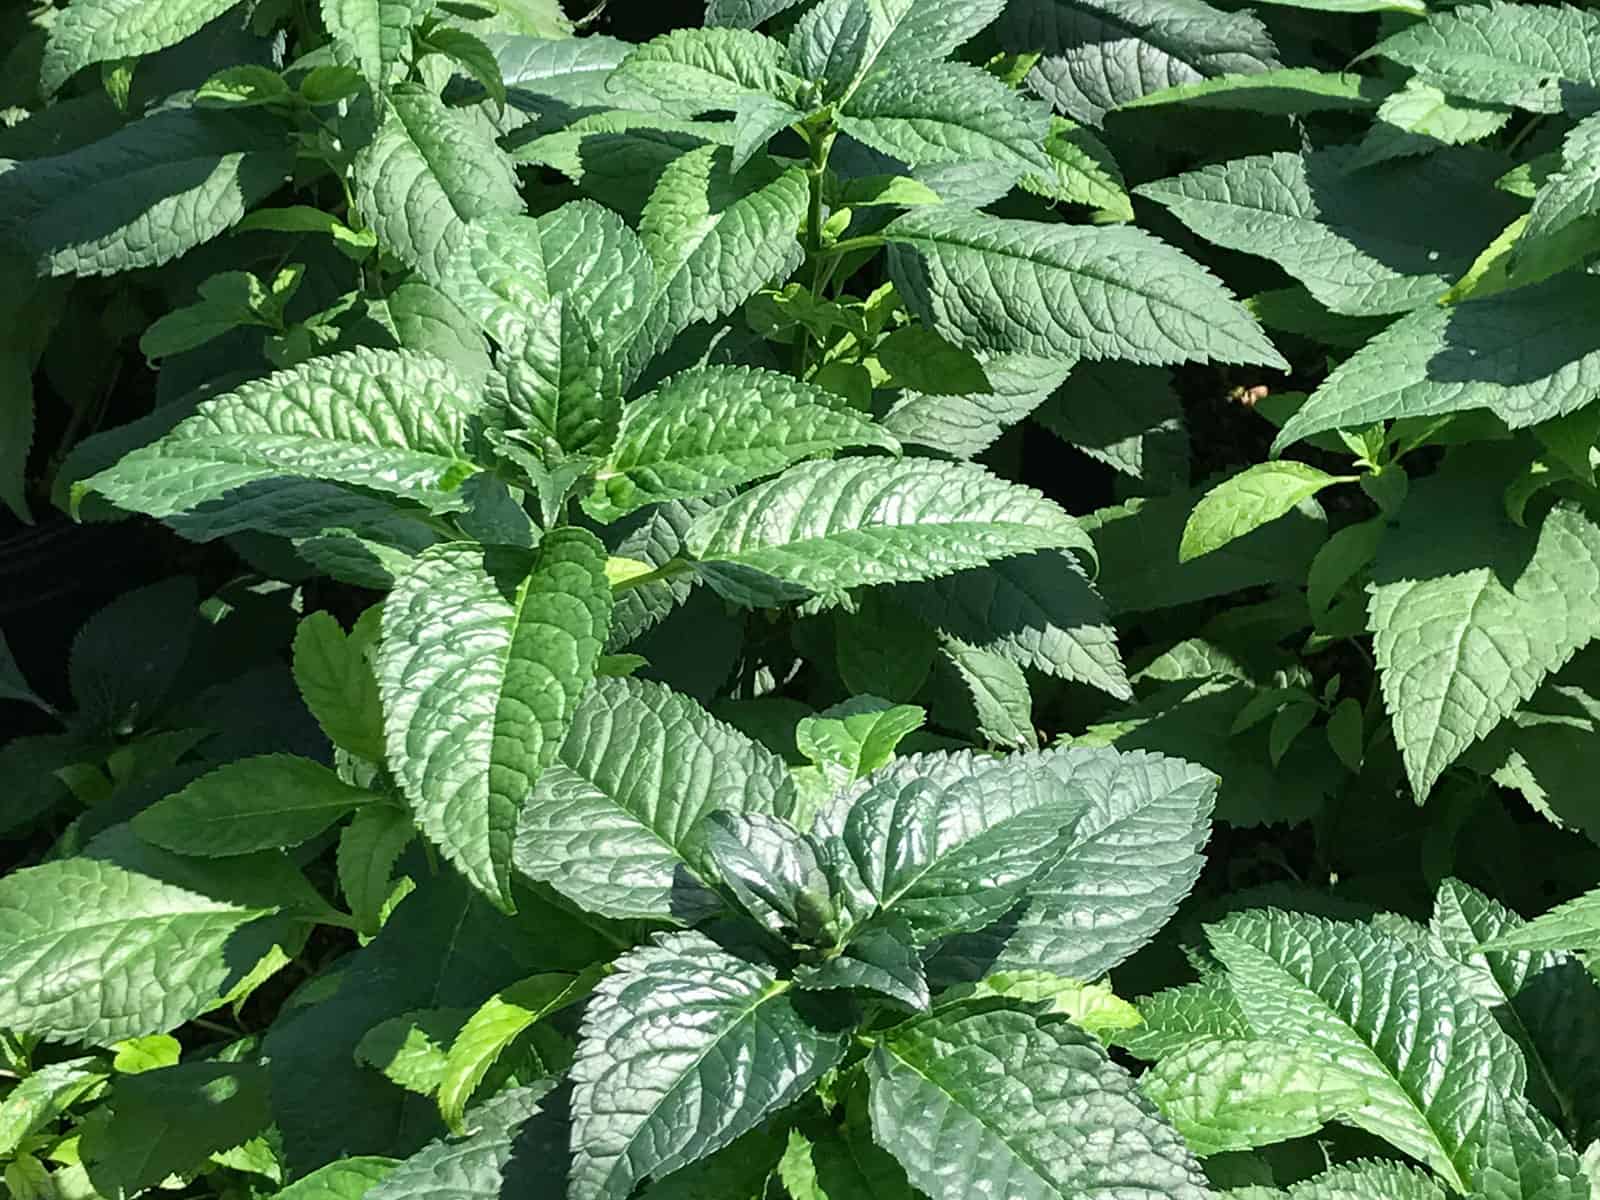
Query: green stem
x=670, y=569
x=816, y=173
x=870, y=242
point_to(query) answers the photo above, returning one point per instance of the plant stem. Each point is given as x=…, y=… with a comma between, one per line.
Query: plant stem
x=670, y=569
x=821, y=142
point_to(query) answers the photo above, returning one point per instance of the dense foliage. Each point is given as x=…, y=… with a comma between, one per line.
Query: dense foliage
x=861, y=599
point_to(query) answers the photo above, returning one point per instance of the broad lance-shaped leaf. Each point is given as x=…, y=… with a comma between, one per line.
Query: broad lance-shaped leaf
x=374, y=36
x=426, y=173
x=347, y=1179
x=1569, y=195
x=985, y=1100
x=609, y=824
x=1543, y=59
x=95, y=31
x=43, y=1095
x=1132, y=858
x=1236, y=1095
x=1178, y=1017
x=943, y=843
x=515, y=1140
x=1247, y=501
x=93, y=952
x=944, y=112
x=1525, y=1157
x=1367, y=1179
x=1288, y=90
x=144, y=194
x=713, y=428
x=697, y=70
x=1574, y=925
x=1332, y=228
x=1099, y=54
x=835, y=525
x=562, y=295
x=268, y=802
x=1339, y=992
x=1033, y=287
x=1527, y=356
x=333, y=671
x=1457, y=653
x=386, y=420
x=683, y=1049
x=485, y=654
x=829, y=45
x=716, y=237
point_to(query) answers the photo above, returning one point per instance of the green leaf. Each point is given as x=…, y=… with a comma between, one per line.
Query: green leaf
x=169, y=1122
x=1052, y=289
x=1288, y=90
x=1236, y=1095
x=879, y=962
x=1100, y=54
x=1458, y=652
x=144, y=194
x=1248, y=500
x=830, y=44
x=1084, y=172
x=922, y=31
x=388, y=420
x=609, y=824
x=1418, y=119
x=270, y=802
x=644, y=1106
x=43, y=1095
x=1332, y=229
x=95, y=31
x=516, y=1140
x=126, y=658
x=473, y=721
x=717, y=236
x=1527, y=1158
x=474, y=55
x=1531, y=57
x=986, y=1100
x=333, y=671
x=757, y=120
x=744, y=14
x=1093, y=1007
x=836, y=525
x=1524, y=355
x=854, y=739
x=772, y=870
x=997, y=689
x=1178, y=1017
x=497, y=1023
x=944, y=843
x=920, y=359
x=945, y=112
x=425, y=174
x=369, y=847
x=1574, y=925
x=841, y=1163
x=347, y=1179
x=1130, y=861
x=374, y=36
x=699, y=70
x=1337, y=992
x=1568, y=196
x=712, y=428
x=1125, y=416
x=997, y=393
x=1374, y=1179
x=410, y=1049
x=136, y=1055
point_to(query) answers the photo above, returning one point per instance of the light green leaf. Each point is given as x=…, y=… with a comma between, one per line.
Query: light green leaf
x=410, y=1049
x=1178, y=1017
x=1568, y=196
x=744, y=14
x=879, y=961
x=1337, y=992
x=1248, y=500
x=151, y=1053
x=1288, y=90
x=923, y=31
x=425, y=174
x=1093, y=1007
x=513, y=1142
x=986, y=1100
x=1333, y=229
x=1543, y=59
x=144, y=194
x=1373, y=1179
x=1084, y=173
x=1526, y=356
x=493, y=1027
x=997, y=689
x=95, y=31
x=387, y=420
x=43, y=1095
x=609, y=824
x=841, y=1163
x=854, y=739
x=369, y=847
x=1052, y=289
x=699, y=70
x=1457, y=653
x=60, y=921
x=374, y=36
x=644, y=1106
x=333, y=671
x=756, y=121
x=1236, y=1095
x=716, y=237
x=346, y=1179
x=830, y=45
x=1100, y=54
x=712, y=428
x=1418, y=119
x=994, y=394
x=835, y=525
x=485, y=654
x=1574, y=925
x=943, y=112
x=270, y=802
